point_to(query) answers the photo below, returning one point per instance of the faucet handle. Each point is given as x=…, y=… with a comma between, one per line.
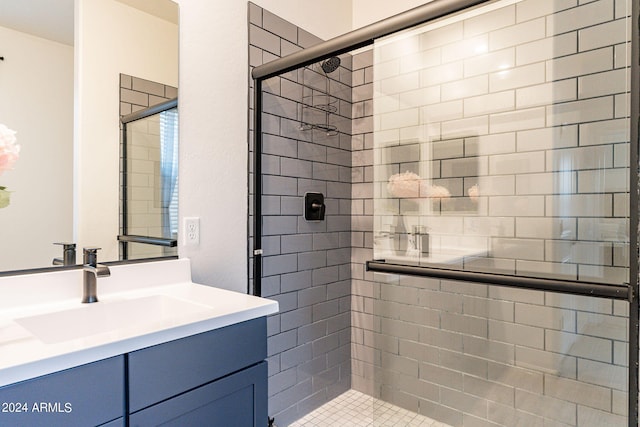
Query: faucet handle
x=68, y=254
x=90, y=255
x=66, y=245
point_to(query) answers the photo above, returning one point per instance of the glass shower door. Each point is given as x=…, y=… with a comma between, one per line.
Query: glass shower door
x=501, y=145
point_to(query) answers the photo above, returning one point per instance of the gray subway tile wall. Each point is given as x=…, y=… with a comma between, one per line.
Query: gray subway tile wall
x=306, y=265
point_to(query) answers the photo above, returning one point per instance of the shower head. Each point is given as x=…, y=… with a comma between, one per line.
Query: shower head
x=330, y=65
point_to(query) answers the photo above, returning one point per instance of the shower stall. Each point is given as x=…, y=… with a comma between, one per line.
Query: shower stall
x=477, y=264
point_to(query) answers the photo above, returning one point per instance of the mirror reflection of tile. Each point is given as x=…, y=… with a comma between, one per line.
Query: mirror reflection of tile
x=145, y=212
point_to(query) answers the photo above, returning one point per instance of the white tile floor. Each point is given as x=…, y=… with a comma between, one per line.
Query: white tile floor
x=355, y=409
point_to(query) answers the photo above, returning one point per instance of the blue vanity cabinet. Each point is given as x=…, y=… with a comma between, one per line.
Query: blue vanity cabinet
x=216, y=378
x=238, y=400
x=87, y=395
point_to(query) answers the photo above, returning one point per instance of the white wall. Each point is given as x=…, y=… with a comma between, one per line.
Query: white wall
x=213, y=138
x=325, y=19
x=36, y=100
x=367, y=12
x=111, y=38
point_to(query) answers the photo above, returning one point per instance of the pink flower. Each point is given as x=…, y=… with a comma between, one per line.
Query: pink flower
x=9, y=149
x=404, y=185
x=410, y=185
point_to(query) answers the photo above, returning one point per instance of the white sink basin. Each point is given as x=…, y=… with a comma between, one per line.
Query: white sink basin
x=44, y=328
x=100, y=317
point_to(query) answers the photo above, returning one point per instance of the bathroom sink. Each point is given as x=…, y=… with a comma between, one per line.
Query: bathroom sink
x=101, y=317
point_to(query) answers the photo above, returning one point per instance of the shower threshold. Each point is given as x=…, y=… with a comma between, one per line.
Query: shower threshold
x=355, y=409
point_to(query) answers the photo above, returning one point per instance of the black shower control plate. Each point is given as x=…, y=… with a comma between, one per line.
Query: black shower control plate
x=314, y=206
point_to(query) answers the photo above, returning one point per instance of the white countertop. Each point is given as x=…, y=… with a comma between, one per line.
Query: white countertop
x=194, y=309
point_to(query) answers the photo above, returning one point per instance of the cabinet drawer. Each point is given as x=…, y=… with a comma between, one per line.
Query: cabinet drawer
x=237, y=400
x=163, y=371
x=86, y=395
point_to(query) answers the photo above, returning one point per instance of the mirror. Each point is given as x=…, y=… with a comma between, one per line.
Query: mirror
x=60, y=85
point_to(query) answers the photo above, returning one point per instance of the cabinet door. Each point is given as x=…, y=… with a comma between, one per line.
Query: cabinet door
x=160, y=372
x=239, y=400
x=86, y=395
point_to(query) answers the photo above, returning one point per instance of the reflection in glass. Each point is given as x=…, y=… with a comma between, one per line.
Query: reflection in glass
x=501, y=144
x=150, y=203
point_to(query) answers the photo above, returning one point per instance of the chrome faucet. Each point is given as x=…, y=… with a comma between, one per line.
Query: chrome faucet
x=91, y=270
x=419, y=240
x=68, y=254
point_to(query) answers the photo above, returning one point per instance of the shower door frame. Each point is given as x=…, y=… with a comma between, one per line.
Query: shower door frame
x=366, y=36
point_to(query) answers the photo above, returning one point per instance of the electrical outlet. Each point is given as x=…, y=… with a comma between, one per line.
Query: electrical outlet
x=192, y=231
